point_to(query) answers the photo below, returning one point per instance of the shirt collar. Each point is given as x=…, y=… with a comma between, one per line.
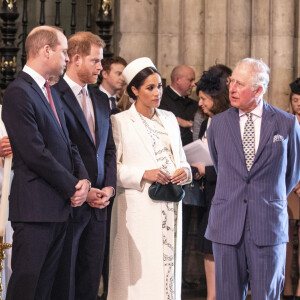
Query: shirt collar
x=75, y=87
x=102, y=89
x=175, y=91
x=38, y=78
x=257, y=111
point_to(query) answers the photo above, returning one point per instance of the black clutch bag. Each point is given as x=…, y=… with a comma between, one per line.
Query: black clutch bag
x=166, y=192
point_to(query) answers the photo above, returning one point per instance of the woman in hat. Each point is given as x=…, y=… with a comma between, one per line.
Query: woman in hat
x=145, y=247
x=293, y=210
x=213, y=99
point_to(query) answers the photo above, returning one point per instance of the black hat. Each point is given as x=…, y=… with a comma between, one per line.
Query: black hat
x=212, y=82
x=295, y=86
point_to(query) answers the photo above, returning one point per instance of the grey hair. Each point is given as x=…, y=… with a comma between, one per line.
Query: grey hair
x=260, y=72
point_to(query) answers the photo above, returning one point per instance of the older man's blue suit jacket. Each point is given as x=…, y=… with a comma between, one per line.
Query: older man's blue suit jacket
x=46, y=165
x=260, y=193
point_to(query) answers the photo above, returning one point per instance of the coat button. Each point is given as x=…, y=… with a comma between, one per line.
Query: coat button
x=245, y=201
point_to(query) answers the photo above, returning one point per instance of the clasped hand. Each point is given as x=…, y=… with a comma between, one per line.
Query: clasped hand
x=157, y=175
x=99, y=198
x=82, y=189
x=95, y=197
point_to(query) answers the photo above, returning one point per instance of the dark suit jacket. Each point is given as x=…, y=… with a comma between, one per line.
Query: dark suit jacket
x=261, y=193
x=182, y=107
x=210, y=172
x=46, y=165
x=99, y=159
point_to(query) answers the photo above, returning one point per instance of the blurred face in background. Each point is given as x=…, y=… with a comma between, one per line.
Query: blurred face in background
x=295, y=102
x=113, y=78
x=206, y=103
x=185, y=81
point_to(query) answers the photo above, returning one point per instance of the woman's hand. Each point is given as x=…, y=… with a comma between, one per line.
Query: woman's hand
x=201, y=169
x=180, y=176
x=156, y=175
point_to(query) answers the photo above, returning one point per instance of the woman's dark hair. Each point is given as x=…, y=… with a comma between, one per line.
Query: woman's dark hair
x=221, y=102
x=139, y=79
x=214, y=84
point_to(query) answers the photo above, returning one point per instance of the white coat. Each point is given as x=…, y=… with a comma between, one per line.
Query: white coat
x=136, y=249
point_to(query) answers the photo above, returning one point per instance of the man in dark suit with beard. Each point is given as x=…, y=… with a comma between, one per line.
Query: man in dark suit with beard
x=87, y=115
x=47, y=167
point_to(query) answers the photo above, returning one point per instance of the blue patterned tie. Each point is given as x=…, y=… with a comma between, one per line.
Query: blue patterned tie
x=248, y=142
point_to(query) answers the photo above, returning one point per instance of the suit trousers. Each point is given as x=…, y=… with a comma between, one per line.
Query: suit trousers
x=35, y=256
x=80, y=266
x=236, y=265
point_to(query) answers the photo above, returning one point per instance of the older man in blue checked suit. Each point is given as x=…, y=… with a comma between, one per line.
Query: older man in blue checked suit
x=255, y=148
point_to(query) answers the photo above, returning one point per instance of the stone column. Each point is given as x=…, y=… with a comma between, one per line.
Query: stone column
x=282, y=42
x=136, y=29
x=296, y=72
x=261, y=30
x=192, y=45
x=169, y=37
x=239, y=31
x=215, y=41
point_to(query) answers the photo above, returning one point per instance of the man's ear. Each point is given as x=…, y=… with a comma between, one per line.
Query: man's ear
x=104, y=74
x=258, y=91
x=76, y=59
x=46, y=50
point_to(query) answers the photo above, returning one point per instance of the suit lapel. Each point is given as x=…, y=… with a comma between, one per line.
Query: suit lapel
x=141, y=130
x=233, y=123
x=38, y=90
x=266, y=129
x=70, y=99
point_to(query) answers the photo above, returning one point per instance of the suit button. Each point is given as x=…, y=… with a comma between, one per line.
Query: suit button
x=97, y=155
x=245, y=201
x=248, y=181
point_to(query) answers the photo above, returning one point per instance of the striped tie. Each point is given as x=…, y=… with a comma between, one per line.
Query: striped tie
x=248, y=142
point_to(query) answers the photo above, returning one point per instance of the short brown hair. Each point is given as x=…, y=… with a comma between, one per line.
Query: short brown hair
x=81, y=42
x=39, y=37
x=108, y=61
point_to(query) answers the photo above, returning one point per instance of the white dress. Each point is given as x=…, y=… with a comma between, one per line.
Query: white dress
x=145, y=249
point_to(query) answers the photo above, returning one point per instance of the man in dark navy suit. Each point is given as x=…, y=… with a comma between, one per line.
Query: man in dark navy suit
x=49, y=176
x=87, y=115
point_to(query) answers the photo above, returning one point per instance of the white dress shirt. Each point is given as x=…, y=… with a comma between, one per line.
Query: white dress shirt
x=38, y=78
x=256, y=117
x=102, y=89
x=76, y=89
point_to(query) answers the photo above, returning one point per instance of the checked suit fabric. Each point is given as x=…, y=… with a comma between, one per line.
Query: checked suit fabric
x=249, y=142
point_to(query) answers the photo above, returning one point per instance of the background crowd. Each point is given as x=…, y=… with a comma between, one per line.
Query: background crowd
x=87, y=149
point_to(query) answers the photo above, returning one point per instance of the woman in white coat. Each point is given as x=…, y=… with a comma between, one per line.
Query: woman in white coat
x=145, y=249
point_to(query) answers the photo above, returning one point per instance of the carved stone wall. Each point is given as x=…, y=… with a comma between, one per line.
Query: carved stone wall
x=201, y=32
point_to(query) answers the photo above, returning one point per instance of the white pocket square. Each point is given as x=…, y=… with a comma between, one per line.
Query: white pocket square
x=278, y=138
